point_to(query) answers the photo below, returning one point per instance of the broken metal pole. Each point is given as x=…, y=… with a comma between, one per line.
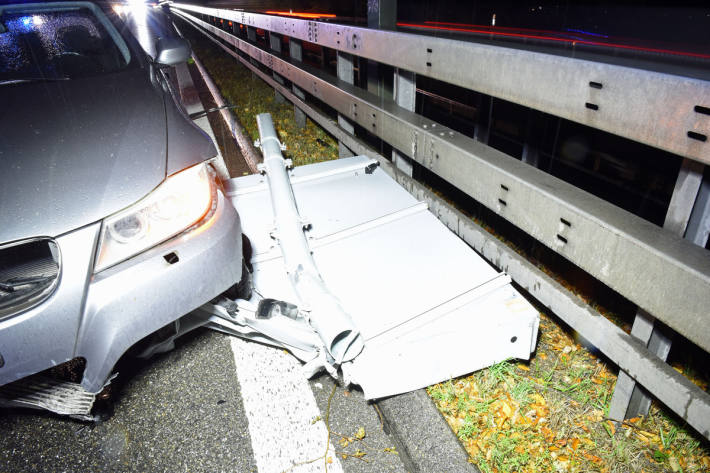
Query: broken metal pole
x=230, y=119
x=333, y=324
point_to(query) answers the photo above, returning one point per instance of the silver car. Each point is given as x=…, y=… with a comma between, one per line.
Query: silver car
x=112, y=222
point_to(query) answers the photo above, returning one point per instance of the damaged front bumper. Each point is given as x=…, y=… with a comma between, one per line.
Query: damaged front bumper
x=135, y=298
x=98, y=317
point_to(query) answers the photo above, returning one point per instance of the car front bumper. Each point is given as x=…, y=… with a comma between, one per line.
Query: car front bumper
x=99, y=316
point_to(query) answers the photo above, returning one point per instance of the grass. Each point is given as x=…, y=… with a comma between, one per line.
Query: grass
x=549, y=415
x=521, y=392
x=468, y=429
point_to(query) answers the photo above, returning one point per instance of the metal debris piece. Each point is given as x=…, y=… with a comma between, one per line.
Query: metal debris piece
x=42, y=392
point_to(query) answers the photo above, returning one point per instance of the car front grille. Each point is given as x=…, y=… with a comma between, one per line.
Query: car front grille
x=29, y=273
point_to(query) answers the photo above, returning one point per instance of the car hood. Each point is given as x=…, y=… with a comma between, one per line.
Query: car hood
x=73, y=152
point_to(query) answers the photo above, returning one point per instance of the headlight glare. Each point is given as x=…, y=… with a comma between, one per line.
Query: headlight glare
x=179, y=202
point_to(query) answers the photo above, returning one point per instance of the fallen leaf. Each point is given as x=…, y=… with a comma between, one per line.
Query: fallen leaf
x=538, y=399
x=360, y=434
x=359, y=453
x=507, y=410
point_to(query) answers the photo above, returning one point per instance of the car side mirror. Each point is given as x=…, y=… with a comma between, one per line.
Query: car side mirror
x=172, y=50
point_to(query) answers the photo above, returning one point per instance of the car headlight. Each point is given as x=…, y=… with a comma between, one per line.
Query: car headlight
x=182, y=200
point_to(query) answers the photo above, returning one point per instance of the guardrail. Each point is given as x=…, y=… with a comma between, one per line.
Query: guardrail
x=667, y=276
x=653, y=108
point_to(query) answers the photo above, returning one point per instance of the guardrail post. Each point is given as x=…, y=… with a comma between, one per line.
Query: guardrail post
x=482, y=129
x=531, y=143
x=630, y=399
x=405, y=94
x=251, y=36
x=275, y=44
x=296, y=52
x=382, y=15
x=685, y=193
x=699, y=225
x=346, y=73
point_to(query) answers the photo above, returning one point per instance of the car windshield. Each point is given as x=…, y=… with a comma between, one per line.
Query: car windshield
x=58, y=41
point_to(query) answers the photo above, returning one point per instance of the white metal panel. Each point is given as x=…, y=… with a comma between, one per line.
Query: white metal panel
x=417, y=293
x=487, y=330
x=390, y=274
x=352, y=204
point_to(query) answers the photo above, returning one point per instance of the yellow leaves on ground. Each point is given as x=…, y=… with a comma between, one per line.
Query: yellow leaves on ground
x=549, y=416
x=358, y=453
x=360, y=434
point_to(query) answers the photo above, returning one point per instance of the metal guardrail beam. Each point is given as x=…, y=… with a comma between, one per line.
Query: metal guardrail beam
x=671, y=388
x=649, y=107
x=662, y=273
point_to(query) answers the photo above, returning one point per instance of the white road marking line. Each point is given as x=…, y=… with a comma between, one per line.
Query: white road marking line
x=280, y=407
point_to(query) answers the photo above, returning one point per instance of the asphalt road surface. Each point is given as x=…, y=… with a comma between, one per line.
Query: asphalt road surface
x=196, y=409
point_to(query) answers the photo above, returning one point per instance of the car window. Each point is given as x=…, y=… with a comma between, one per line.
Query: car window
x=58, y=41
